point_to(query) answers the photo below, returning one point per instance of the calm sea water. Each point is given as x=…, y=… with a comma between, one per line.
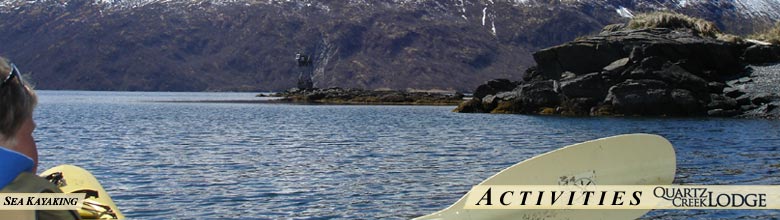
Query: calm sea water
x=264, y=161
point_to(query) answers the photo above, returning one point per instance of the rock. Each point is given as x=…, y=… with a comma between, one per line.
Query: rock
x=746, y=108
x=770, y=111
x=470, y=106
x=639, y=97
x=579, y=57
x=508, y=107
x=773, y=109
x=293, y=90
x=602, y=110
x=652, y=97
x=594, y=85
x=653, y=63
x=702, y=54
x=744, y=100
x=316, y=95
x=567, y=75
x=762, y=98
x=715, y=87
x=617, y=66
x=696, y=69
x=732, y=92
x=636, y=55
x=723, y=112
x=652, y=48
x=539, y=94
x=547, y=111
x=672, y=74
x=686, y=102
x=718, y=101
x=456, y=95
x=337, y=95
x=489, y=102
x=507, y=96
x=532, y=74
x=393, y=97
x=739, y=83
x=652, y=71
x=489, y=99
x=577, y=106
x=760, y=54
x=494, y=86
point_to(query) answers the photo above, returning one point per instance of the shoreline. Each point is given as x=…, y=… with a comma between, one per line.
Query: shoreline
x=291, y=102
x=352, y=96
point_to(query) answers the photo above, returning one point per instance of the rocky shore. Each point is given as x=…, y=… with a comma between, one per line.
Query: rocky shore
x=645, y=72
x=372, y=97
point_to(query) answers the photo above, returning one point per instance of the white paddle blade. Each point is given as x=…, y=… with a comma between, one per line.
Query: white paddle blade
x=632, y=159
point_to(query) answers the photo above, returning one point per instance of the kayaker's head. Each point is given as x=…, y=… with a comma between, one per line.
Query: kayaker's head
x=17, y=102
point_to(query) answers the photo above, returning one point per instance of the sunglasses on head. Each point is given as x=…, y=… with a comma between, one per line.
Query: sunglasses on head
x=13, y=74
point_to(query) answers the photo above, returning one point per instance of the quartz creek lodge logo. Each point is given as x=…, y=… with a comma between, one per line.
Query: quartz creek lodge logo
x=696, y=197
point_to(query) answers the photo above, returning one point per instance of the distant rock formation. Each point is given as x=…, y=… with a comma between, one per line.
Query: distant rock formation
x=655, y=72
x=361, y=96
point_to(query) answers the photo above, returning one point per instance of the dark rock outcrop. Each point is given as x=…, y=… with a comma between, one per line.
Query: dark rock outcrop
x=360, y=96
x=493, y=87
x=661, y=72
x=759, y=54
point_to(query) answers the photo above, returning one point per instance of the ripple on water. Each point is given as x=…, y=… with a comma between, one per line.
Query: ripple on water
x=257, y=161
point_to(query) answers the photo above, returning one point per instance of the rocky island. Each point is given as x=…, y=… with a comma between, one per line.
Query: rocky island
x=654, y=65
x=372, y=97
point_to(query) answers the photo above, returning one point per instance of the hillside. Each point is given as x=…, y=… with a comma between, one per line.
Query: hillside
x=245, y=45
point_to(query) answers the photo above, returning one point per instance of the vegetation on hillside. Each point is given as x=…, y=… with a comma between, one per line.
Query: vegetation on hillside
x=673, y=21
x=772, y=35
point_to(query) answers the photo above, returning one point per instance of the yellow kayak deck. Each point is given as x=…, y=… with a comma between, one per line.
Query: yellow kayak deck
x=74, y=179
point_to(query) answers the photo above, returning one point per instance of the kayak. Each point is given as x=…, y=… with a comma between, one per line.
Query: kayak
x=74, y=179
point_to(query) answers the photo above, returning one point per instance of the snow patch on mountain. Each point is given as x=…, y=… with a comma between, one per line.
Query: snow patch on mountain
x=624, y=12
x=484, y=15
x=769, y=8
x=682, y=3
x=463, y=10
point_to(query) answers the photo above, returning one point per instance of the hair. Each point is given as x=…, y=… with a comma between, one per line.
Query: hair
x=17, y=102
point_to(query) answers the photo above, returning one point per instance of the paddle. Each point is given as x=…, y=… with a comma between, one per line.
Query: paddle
x=632, y=159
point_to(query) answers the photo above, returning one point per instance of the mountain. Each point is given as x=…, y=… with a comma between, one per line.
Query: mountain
x=249, y=45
